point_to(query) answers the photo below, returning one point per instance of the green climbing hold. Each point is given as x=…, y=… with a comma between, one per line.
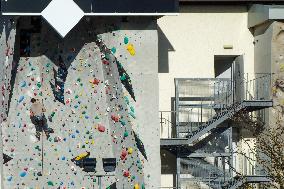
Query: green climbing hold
x=38, y=84
x=126, y=100
x=126, y=134
x=37, y=148
x=113, y=50
x=123, y=77
x=132, y=115
x=122, y=122
x=126, y=40
x=50, y=183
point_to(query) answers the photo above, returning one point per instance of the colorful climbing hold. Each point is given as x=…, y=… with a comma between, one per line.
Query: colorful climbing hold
x=126, y=40
x=113, y=50
x=130, y=150
x=21, y=98
x=101, y=128
x=136, y=186
x=130, y=48
x=50, y=183
x=23, y=174
x=126, y=174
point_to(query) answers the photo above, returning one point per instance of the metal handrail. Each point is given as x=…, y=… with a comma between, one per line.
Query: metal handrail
x=194, y=117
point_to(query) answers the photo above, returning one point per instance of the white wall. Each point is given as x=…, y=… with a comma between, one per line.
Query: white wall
x=191, y=41
x=196, y=35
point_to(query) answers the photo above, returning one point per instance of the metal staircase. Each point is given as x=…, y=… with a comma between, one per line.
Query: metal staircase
x=203, y=112
x=237, y=182
x=213, y=123
x=205, y=172
x=224, y=102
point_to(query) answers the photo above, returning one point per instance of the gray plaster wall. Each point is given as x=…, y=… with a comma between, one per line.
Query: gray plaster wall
x=262, y=48
x=94, y=94
x=269, y=58
x=277, y=67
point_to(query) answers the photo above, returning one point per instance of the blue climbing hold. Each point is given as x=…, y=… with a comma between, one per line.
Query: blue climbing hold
x=21, y=99
x=23, y=174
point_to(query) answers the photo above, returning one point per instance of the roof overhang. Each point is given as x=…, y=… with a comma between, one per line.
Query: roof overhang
x=259, y=14
x=63, y=15
x=96, y=7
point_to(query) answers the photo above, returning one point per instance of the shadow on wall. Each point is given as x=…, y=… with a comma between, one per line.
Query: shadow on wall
x=164, y=47
x=168, y=161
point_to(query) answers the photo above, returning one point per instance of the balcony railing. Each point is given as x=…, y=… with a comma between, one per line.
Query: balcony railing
x=198, y=101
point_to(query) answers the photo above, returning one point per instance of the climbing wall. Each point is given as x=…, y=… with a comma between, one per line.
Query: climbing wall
x=99, y=87
x=7, y=41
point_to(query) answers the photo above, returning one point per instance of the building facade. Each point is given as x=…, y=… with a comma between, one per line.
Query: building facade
x=216, y=60
x=79, y=101
x=137, y=94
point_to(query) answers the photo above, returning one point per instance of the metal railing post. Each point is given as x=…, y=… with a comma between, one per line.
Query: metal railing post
x=247, y=88
x=201, y=113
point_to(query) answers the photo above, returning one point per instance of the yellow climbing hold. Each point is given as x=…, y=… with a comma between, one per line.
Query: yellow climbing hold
x=82, y=156
x=130, y=150
x=131, y=49
x=136, y=186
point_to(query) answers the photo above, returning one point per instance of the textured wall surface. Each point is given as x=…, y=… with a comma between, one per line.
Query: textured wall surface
x=277, y=67
x=7, y=42
x=100, y=89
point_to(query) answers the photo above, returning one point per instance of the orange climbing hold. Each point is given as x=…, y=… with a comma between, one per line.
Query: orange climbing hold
x=95, y=81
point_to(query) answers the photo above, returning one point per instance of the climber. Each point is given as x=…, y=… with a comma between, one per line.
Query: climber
x=38, y=118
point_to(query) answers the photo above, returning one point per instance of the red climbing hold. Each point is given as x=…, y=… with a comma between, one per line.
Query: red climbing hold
x=115, y=118
x=101, y=128
x=95, y=81
x=126, y=173
x=105, y=62
x=123, y=154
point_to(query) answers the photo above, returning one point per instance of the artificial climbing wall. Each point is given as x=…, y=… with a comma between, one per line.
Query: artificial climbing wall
x=7, y=41
x=100, y=91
